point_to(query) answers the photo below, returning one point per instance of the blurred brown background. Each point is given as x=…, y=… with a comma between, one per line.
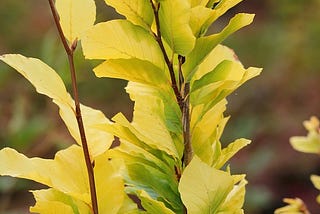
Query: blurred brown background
x=284, y=40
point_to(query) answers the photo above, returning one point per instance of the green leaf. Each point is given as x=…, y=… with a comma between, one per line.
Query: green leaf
x=134, y=70
x=204, y=189
x=76, y=16
x=174, y=18
x=47, y=82
x=205, y=45
x=139, y=12
x=124, y=40
x=153, y=206
x=158, y=185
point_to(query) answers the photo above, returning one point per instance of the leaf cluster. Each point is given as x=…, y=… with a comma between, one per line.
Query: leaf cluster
x=178, y=78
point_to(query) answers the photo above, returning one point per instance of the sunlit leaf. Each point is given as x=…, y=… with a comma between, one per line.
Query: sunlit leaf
x=194, y=3
x=235, y=199
x=174, y=25
x=76, y=16
x=109, y=185
x=316, y=182
x=47, y=82
x=123, y=40
x=204, y=189
x=215, y=57
x=150, y=119
x=133, y=69
x=310, y=143
x=139, y=12
x=153, y=206
x=230, y=151
x=205, y=45
x=205, y=131
x=69, y=175
x=52, y=201
x=295, y=206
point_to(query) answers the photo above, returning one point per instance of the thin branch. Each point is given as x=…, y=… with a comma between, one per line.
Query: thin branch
x=165, y=55
x=188, y=150
x=70, y=50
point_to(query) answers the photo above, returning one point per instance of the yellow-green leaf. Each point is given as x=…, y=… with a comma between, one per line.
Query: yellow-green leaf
x=204, y=189
x=230, y=151
x=76, y=16
x=149, y=119
x=138, y=12
x=52, y=201
x=174, y=18
x=133, y=69
x=47, y=82
x=205, y=45
x=153, y=206
x=121, y=39
x=205, y=131
x=236, y=197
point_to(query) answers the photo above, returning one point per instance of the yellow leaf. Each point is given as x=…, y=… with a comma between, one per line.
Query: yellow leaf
x=316, y=181
x=295, y=206
x=139, y=12
x=205, y=45
x=230, y=151
x=149, y=118
x=47, y=82
x=109, y=185
x=125, y=40
x=52, y=201
x=204, y=189
x=76, y=16
x=174, y=18
x=236, y=198
x=135, y=70
x=66, y=172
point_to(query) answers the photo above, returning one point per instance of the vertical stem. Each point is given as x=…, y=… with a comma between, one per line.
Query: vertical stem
x=188, y=151
x=182, y=96
x=185, y=90
x=70, y=50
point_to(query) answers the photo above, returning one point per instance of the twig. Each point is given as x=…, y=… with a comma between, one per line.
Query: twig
x=70, y=50
x=165, y=55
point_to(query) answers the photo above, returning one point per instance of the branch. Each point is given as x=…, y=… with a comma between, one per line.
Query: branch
x=165, y=55
x=70, y=50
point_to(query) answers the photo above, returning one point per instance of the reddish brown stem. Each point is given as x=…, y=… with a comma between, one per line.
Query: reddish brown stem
x=70, y=50
x=165, y=55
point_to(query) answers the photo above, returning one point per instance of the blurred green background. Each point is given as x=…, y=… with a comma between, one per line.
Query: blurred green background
x=284, y=40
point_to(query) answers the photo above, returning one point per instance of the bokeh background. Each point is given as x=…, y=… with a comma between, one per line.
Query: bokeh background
x=284, y=40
